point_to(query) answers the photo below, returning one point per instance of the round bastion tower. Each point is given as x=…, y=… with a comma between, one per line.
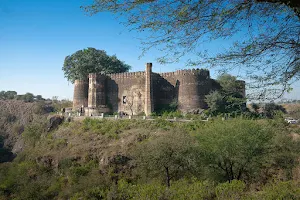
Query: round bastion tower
x=193, y=86
x=80, y=97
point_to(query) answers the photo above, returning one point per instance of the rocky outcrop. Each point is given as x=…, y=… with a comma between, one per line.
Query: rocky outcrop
x=54, y=122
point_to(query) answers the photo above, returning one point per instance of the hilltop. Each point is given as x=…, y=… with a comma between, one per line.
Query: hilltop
x=146, y=159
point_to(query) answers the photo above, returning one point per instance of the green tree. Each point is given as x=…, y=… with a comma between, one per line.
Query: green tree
x=279, y=190
x=2, y=95
x=168, y=156
x=215, y=102
x=233, y=190
x=10, y=94
x=237, y=149
x=39, y=97
x=255, y=107
x=28, y=97
x=264, y=34
x=271, y=109
x=228, y=98
x=90, y=60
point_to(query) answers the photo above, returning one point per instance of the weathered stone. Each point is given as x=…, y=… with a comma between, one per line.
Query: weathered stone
x=54, y=122
x=144, y=92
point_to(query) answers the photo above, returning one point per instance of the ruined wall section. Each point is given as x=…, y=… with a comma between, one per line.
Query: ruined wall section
x=171, y=77
x=80, y=98
x=194, y=84
x=97, y=90
x=126, y=92
x=164, y=89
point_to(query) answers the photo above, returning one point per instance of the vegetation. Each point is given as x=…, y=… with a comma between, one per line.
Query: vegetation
x=28, y=97
x=167, y=156
x=229, y=98
x=240, y=149
x=90, y=60
x=108, y=159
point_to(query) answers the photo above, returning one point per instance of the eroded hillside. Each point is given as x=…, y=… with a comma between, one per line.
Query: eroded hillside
x=141, y=159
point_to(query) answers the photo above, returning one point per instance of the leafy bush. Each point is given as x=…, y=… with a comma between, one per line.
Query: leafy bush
x=172, y=114
x=106, y=127
x=153, y=190
x=235, y=149
x=231, y=190
x=93, y=193
x=279, y=190
x=192, y=189
x=196, y=153
x=77, y=170
x=167, y=157
x=33, y=132
x=272, y=109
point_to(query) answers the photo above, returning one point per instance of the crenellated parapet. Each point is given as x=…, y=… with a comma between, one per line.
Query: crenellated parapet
x=193, y=72
x=112, y=92
x=187, y=72
x=167, y=74
x=126, y=75
x=194, y=84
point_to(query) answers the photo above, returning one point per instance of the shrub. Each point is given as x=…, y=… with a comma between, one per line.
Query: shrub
x=234, y=149
x=231, y=190
x=153, y=190
x=33, y=132
x=191, y=189
x=279, y=190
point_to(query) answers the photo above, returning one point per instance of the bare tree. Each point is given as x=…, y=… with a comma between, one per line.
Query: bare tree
x=265, y=36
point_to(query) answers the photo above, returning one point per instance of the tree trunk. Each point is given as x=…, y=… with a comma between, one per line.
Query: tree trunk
x=167, y=177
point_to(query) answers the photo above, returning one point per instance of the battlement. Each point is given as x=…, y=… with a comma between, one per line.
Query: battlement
x=146, y=90
x=126, y=75
x=167, y=74
x=201, y=72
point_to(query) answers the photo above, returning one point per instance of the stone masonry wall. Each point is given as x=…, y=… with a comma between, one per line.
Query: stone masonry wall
x=126, y=92
x=144, y=92
x=193, y=86
x=164, y=89
x=80, y=97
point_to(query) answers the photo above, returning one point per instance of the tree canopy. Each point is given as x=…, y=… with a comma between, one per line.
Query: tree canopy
x=28, y=97
x=169, y=156
x=241, y=149
x=264, y=33
x=91, y=60
x=228, y=98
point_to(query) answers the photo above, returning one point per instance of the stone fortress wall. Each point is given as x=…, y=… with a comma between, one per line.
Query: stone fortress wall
x=143, y=92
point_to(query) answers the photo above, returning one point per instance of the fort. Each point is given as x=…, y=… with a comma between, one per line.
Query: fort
x=144, y=92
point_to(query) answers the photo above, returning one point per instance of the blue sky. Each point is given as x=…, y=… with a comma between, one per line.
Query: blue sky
x=36, y=36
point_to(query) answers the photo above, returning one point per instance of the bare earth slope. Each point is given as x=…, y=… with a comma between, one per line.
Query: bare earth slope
x=14, y=116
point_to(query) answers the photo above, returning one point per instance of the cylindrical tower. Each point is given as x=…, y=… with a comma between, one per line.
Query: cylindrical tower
x=193, y=86
x=80, y=98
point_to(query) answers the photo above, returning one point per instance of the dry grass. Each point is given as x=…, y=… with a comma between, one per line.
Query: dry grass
x=291, y=107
